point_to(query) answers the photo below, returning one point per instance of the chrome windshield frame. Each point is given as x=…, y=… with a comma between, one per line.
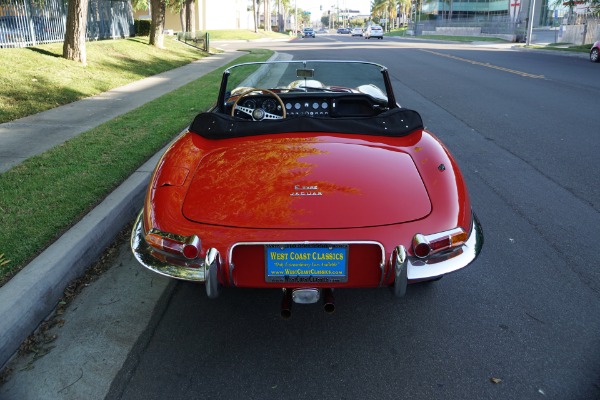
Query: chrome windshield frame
x=387, y=86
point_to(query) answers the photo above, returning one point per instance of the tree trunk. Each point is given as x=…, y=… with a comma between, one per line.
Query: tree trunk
x=254, y=13
x=76, y=26
x=182, y=19
x=267, y=16
x=158, y=23
x=189, y=15
x=257, y=14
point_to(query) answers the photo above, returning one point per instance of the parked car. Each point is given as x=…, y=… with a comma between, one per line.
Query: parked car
x=308, y=32
x=306, y=176
x=343, y=30
x=594, y=52
x=374, y=31
x=357, y=32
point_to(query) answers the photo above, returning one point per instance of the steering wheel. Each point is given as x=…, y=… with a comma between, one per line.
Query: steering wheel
x=258, y=114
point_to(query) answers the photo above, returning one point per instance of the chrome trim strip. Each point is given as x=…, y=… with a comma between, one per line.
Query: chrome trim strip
x=143, y=253
x=445, y=263
x=310, y=242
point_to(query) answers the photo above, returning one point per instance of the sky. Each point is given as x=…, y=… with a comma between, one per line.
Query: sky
x=364, y=6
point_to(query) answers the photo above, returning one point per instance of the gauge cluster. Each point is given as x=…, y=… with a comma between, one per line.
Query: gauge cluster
x=312, y=107
x=270, y=105
x=307, y=107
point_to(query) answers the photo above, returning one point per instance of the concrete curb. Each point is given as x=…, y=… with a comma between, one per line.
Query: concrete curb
x=553, y=52
x=31, y=296
x=28, y=299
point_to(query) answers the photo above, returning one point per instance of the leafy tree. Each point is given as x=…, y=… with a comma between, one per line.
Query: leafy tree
x=593, y=6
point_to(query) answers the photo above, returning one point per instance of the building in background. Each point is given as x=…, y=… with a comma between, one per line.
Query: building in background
x=210, y=15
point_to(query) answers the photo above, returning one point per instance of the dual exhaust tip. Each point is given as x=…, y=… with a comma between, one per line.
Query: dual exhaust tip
x=306, y=296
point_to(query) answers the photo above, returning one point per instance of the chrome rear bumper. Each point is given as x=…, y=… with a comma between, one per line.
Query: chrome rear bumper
x=416, y=269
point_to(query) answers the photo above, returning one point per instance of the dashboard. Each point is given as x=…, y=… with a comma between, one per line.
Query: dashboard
x=293, y=107
x=313, y=106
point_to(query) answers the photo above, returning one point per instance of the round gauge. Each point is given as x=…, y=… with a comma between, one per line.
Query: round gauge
x=269, y=105
x=324, y=105
x=315, y=105
x=288, y=106
x=249, y=103
x=297, y=106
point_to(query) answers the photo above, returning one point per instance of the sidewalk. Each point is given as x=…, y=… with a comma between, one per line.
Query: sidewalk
x=33, y=293
x=37, y=133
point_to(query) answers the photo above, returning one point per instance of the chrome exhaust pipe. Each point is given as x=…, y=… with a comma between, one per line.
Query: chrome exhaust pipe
x=286, y=304
x=328, y=301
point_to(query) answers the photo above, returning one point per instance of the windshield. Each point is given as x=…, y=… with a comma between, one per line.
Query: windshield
x=308, y=77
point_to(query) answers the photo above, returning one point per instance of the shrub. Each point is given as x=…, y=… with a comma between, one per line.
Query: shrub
x=142, y=27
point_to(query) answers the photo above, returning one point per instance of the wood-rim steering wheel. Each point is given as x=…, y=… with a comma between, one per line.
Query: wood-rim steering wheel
x=258, y=114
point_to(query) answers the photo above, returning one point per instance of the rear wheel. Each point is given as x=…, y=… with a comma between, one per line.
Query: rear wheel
x=594, y=55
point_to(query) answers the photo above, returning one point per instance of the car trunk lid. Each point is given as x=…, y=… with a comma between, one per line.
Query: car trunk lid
x=294, y=183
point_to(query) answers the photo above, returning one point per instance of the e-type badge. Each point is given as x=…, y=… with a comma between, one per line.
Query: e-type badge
x=300, y=190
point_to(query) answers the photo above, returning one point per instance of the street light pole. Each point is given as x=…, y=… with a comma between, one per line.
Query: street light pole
x=530, y=23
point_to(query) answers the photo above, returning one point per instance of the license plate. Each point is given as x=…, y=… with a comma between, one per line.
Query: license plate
x=306, y=264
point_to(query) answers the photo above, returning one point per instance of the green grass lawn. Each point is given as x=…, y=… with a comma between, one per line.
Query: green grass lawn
x=44, y=196
x=245, y=35
x=37, y=78
x=565, y=47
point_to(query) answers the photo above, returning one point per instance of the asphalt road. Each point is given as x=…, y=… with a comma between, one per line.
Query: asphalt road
x=522, y=322
x=525, y=314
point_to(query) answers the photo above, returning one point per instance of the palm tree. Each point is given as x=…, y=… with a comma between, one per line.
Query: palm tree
x=386, y=9
x=404, y=7
x=286, y=7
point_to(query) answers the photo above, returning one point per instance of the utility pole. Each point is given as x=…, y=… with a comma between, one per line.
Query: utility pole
x=530, y=23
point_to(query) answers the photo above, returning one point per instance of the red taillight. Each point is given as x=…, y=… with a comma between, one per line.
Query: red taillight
x=426, y=245
x=421, y=246
x=190, y=251
x=186, y=246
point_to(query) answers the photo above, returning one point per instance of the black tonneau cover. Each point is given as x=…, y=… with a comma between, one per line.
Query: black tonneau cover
x=395, y=122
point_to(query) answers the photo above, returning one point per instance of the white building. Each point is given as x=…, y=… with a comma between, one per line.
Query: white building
x=211, y=15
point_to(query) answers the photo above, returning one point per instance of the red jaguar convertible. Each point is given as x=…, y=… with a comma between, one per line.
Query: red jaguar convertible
x=307, y=177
